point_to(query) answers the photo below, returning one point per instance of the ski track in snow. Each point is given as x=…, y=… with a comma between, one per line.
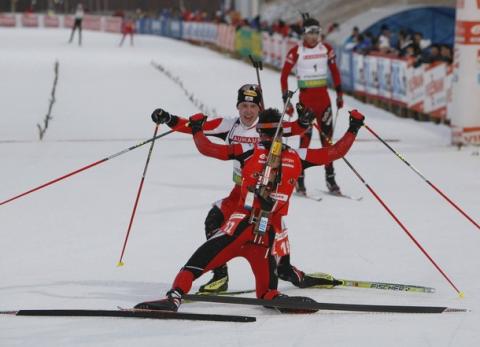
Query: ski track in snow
x=59, y=246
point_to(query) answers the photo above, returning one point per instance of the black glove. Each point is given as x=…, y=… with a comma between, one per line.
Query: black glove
x=196, y=122
x=356, y=121
x=266, y=204
x=161, y=116
x=305, y=115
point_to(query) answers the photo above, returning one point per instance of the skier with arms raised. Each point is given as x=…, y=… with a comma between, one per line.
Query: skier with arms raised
x=241, y=235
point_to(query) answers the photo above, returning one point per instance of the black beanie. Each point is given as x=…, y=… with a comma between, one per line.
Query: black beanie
x=250, y=93
x=268, y=121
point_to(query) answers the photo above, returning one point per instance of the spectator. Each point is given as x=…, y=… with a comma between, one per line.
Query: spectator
x=432, y=56
x=419, y=42
x=384, y=45
x=446, y=54
x=296, y=29
x=355, y=34
x=404, y=40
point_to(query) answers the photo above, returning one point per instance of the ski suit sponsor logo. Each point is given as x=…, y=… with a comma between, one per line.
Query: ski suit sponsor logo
x=314, y=56
x=279, y=196
x=244, y=139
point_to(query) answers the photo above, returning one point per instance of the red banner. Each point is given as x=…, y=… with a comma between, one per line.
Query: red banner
x=7, y=20
x=30, y=20
x=113, y=24
x=92, y=22
x=51, y=21
x=467, y=33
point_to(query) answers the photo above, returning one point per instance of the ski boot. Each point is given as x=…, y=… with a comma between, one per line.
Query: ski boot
x=171, y=302
x=218, y=283
x=332, y=186
x=293, y=299
x=300, y=186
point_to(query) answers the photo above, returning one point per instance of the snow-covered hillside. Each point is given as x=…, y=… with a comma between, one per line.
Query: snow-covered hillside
x=59, y=246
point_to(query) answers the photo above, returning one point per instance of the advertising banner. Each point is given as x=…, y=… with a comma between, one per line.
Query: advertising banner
x=29, y=20
x=465, y=107
x=435, y=90
x=416, y=88
x=113, y=24
x=51, y=21
x=359, y=79
x=399, y=81
x=7, y=20
x=384, y=71
x=370, y=63
x=92, y=23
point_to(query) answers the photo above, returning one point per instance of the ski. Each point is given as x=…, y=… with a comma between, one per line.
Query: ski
x=133, y=313
x=306, y=196
x=387, y=286
x=228, y=292
x=341, y=195
x=288, y=303
x=371, y=285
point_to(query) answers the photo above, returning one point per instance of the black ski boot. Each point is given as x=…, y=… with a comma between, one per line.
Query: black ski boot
x=172, y=302
x=300, y=186
x=332, y=186
x=299, y=299
x=218, y=283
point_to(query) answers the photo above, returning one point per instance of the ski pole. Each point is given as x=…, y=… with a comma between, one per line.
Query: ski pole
x=335, y=122
x=258, y=65
x=423, y=177
x=88, y=166
x=120, y=262
x=460, y=293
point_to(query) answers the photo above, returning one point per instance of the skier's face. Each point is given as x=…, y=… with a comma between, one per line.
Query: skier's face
x=248, y=112
x=312, y=38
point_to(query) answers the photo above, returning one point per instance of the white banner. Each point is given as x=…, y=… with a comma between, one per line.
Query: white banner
x=465, y=109
x=416, y=88
x=435, y=90
x=399, y=81
x=370, y=66
x=359, y=80
x=384, y=68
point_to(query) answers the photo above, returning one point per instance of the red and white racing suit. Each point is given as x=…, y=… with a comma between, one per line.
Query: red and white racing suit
x=233, y=131
x=312, y=65
x=236, y=237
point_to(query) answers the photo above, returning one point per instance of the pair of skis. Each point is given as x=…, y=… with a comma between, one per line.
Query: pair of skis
x=279, y=303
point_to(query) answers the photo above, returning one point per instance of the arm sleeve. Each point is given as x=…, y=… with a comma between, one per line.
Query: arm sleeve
x=322, y=156
x=290, y=62
x=332, y=65
x=209, y=126
x=292, y=129
x=214, y=150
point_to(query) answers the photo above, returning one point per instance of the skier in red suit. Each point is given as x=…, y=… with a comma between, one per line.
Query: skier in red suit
x=240, y=130
x=313, y=59
x=238, y=237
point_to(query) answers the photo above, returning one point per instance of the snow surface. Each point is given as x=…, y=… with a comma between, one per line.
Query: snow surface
x=59, y=246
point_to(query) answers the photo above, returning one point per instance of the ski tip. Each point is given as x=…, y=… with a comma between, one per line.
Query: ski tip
x=461, y=295
x=120, y=264
x=448, y=309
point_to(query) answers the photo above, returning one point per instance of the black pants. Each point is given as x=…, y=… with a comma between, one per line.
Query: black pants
x=77, y=24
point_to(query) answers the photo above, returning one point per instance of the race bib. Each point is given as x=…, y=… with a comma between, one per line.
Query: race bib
x=232, y=223
x=281, y=246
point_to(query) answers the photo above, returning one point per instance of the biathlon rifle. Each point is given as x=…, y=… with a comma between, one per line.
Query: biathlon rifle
x=269, y=178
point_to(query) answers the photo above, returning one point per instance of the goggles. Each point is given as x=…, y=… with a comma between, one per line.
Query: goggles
x=314, y=30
